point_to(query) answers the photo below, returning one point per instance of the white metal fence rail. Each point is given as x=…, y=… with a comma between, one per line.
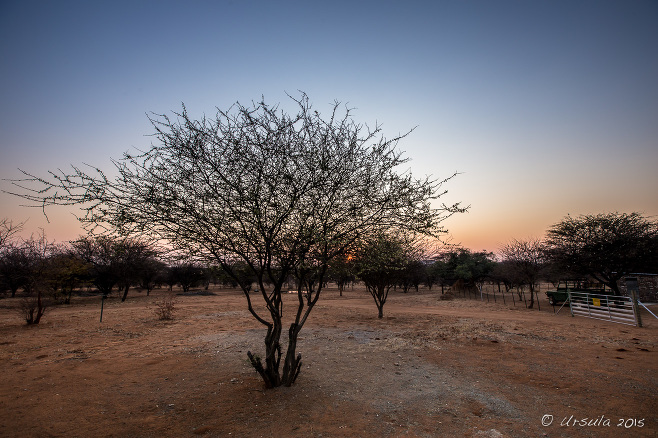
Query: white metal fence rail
x=606, y=307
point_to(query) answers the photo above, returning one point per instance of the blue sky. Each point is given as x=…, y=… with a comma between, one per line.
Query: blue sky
x=547, y=108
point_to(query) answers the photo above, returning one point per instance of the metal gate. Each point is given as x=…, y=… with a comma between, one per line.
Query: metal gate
x=606, y=307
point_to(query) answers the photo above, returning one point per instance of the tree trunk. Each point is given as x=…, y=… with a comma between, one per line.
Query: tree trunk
x=125, y=293
x=292, y=364
x=269, y=372
x=40, y=308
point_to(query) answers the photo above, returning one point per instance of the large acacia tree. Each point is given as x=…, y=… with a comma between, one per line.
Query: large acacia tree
x=606, y=246
x=283, y=194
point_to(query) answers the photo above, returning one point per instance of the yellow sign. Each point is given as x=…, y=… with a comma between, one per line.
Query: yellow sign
x=596, y=302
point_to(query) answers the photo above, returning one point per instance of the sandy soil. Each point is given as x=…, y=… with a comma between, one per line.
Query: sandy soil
x=430, y=368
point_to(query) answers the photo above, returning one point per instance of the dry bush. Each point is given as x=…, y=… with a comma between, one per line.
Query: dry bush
x=165, y=307
x=32, y=307
x=447, y=296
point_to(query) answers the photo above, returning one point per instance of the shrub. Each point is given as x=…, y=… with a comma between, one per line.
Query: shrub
x=165, y=307
x=447, y=296
x=32, y=307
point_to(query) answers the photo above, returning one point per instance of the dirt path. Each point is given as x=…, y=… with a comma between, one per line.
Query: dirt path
x=429, y=368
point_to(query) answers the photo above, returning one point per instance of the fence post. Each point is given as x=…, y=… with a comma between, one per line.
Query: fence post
x=537, y=296
x=102, y=304
x=633, y=288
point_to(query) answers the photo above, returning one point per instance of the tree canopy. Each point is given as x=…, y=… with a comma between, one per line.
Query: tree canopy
x=606, y=246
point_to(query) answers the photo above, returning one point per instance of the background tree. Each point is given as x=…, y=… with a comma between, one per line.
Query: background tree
x=12, y=257
x=262, y=187
x=525, y=260
x=380, y=263
x=341, y=271
x=431, y=276
x=413, y=274
x=37, y=252
x=467, y=267
x=100, y=255
x=150, y=273
x=66, y=271
x=187, y=275
x=14, y=267
x=606, y=246
x=505, y=273
x=8, y=231
x=241, y=276
x=440, y=273
x=130, y=257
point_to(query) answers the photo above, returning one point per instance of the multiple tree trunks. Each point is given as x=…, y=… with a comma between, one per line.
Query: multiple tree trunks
x=291, y=365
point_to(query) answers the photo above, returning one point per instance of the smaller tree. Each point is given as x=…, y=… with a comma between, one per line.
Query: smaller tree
x=12, y=260
x=187, y=274
x=413, y=275
x=37, y=251
x=525, y=260
x=380, y=262
x=130, y=258
x=439, y=273
x=462, y=265
x=65, y=272
x=341, y=271
x=150, y=273
x=14, y=267
x=165, y=307
x=99, y=253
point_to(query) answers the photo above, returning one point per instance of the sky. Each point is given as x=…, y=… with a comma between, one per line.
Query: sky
x=544, y=108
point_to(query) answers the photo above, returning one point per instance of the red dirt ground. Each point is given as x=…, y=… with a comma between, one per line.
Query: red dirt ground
x=429, y=368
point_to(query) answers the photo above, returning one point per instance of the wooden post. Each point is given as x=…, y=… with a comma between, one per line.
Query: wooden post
x=102, y=303
x=633, y=289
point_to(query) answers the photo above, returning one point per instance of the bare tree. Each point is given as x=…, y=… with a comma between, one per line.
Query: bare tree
x=65, y=272
x=7, y=232
x=525, y=260
x=11, y=257
x=38, y=252
x=14, y=267
x=100, y=256
x=130, y=257
x=186, y=274
x=256, y=185
x=150, y=273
